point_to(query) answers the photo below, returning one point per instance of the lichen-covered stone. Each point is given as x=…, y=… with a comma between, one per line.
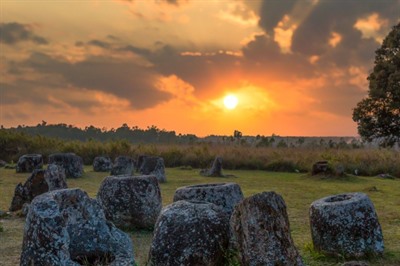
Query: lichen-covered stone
x=346, y=225
x=215, y=170
x=66, y=227
x=153, y=165
x=55, y=177
x=33, y=186
x=190, y=233
x=131, y=201
x=28, y=162
x=260, y=226
x=102, y=164
x=123, y=165
x=72, y=163
x=225, y=195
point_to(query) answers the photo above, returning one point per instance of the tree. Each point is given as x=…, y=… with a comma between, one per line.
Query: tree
x=378, y=115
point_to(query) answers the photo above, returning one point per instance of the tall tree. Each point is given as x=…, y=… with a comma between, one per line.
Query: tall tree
x=378, y=115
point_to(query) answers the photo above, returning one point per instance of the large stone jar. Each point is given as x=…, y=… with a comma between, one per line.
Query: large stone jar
x=102, y=164
x=66, y=227
x=123, y=165
x=29, y=162
x=346, y=225
x=70, y=162
x=261, y=231
x=131, y=201
x=225, y=195
x=190, y=233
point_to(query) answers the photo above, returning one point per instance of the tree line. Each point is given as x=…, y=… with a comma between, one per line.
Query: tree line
x=152, y=134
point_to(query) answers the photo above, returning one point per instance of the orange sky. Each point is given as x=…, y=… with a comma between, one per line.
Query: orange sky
x=297, y=67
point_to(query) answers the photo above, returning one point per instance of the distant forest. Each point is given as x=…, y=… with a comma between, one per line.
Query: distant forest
x=151, y=134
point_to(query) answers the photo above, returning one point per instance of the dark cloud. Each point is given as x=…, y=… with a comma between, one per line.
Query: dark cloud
x=100, y=44
x=13, y=32
x=200, y=71
x=272, y=11
x=136, y=50
x=125, y=79
x=264, y=55
x=174, y=2
x=313, y=34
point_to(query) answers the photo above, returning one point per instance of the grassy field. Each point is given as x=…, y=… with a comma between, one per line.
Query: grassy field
x=298, y=190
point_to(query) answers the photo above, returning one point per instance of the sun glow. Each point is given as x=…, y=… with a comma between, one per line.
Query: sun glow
x=231, y=101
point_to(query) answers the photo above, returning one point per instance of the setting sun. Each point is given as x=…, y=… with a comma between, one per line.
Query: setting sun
x=230, y=101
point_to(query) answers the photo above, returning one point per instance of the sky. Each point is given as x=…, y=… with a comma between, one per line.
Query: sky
x=296, y=67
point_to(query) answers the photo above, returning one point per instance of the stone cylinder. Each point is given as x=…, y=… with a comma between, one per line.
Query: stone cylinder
x=72, y=163
x=346, y=225
x=131, y=201
x=66, y=227
x=123, y=165
x=190, y=233
x=102, y=164
x=225, y=195
x=29, y=162
x=153, y=165
x=261, y=231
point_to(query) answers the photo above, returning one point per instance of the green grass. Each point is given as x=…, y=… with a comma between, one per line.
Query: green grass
x=298, y=190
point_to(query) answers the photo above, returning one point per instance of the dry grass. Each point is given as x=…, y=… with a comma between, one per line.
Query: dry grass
x=298, y=190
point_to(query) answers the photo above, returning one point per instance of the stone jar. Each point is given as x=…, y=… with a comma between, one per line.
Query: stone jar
x=346, y=225
x=225, y=195
x=190, y=233
x=66, y=227
x=131, y=201
x=261, y=231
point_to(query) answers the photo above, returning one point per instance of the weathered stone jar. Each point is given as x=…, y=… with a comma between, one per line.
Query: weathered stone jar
x=102, y=164
x=225, y=195
x=66, y=227
x=215, y=170
x=123, y=165
x=72, y=163
x=39, y=182
x=131, y=201
x=346, y=225
x=29, y=162
x=260, y=227
x=190, y=233
x=24, y=193
x=153, y=165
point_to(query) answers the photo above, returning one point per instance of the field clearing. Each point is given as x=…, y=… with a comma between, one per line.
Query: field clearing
x=298, y=191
